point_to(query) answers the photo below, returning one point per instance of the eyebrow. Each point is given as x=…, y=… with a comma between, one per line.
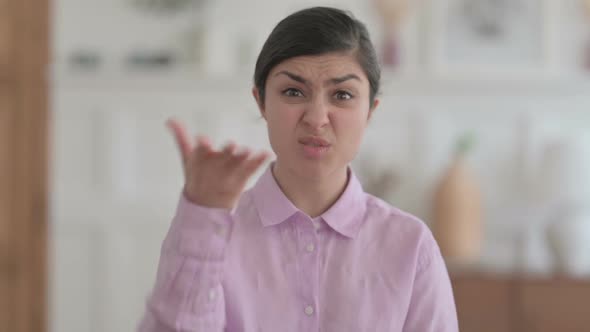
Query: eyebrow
x=333, y=81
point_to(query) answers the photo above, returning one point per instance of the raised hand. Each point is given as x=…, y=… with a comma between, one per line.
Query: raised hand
x=214, y=178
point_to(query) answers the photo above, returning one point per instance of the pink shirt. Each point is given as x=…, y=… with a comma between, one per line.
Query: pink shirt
x=266, y=266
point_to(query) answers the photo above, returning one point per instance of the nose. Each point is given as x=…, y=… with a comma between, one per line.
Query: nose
x=316, y=114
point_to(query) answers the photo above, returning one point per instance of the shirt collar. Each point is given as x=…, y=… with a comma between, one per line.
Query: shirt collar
x=345, y=216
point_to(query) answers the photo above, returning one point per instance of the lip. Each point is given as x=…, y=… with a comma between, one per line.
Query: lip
x=314, y=141
x=314, y=147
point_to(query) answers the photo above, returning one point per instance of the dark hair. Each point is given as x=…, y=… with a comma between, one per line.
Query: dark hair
x=315, y=31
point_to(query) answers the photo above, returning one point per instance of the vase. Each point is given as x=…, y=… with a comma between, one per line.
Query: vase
x=569, y=237
x=457, y=214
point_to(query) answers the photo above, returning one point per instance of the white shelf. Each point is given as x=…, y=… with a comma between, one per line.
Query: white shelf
x=166, y=79
x=190, y=79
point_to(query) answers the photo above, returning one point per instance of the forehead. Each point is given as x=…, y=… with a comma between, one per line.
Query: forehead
x=321, y=66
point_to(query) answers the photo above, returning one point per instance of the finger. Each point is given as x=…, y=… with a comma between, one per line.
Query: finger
x=238, y=158
x=183, y=142
x=204, y=148
x=253, y=164
x=228, y=151
x=242, y=154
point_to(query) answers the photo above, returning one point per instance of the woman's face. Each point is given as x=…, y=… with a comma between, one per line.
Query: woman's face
x=316, y=109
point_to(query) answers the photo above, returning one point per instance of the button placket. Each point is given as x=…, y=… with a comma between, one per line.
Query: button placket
x=309, y=274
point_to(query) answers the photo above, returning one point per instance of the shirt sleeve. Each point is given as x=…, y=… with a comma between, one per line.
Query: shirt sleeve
x=188, y=295
x=432, y=305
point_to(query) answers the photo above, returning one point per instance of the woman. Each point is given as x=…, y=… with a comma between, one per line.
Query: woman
x=306, y=249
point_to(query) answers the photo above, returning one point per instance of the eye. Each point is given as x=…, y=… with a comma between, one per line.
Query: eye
x=292, y=92
x=343, y=95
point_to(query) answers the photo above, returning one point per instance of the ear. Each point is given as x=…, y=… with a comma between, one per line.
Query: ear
x=372, y=109
x=259, y=101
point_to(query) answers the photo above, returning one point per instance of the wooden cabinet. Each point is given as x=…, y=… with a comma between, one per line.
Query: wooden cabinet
x=556, y=305
x=482, y=304
x=518, y=304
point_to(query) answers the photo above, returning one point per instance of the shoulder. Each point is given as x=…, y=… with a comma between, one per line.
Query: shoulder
x=399, y=231
x=387, y=217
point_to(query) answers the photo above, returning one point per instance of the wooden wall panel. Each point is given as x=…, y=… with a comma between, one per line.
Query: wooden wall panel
x=6, y=38
x=32, y=143
x=7, y=253
x=24, y=39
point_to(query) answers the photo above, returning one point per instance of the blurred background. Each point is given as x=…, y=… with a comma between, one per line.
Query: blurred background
x=483, y=132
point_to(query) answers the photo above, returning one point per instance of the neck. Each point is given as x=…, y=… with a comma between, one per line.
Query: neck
x=313, y=196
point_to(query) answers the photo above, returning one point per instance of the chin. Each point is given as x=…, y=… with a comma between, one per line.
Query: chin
x=315, y=169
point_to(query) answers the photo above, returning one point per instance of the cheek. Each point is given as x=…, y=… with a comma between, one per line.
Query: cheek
x=283, y=115
x=349, y=127
x=282, y=121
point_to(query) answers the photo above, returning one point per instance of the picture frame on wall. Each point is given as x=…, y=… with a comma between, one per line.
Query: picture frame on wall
x=493, y=38
x=396, y=35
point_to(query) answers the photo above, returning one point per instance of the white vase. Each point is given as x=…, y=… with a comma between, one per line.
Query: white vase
x=534, y=253
x=564, y=176
x=570, y=239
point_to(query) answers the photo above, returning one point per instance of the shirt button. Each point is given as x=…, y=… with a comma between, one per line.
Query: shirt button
x=212, y=294
x=310, y=247
x=309, y=310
